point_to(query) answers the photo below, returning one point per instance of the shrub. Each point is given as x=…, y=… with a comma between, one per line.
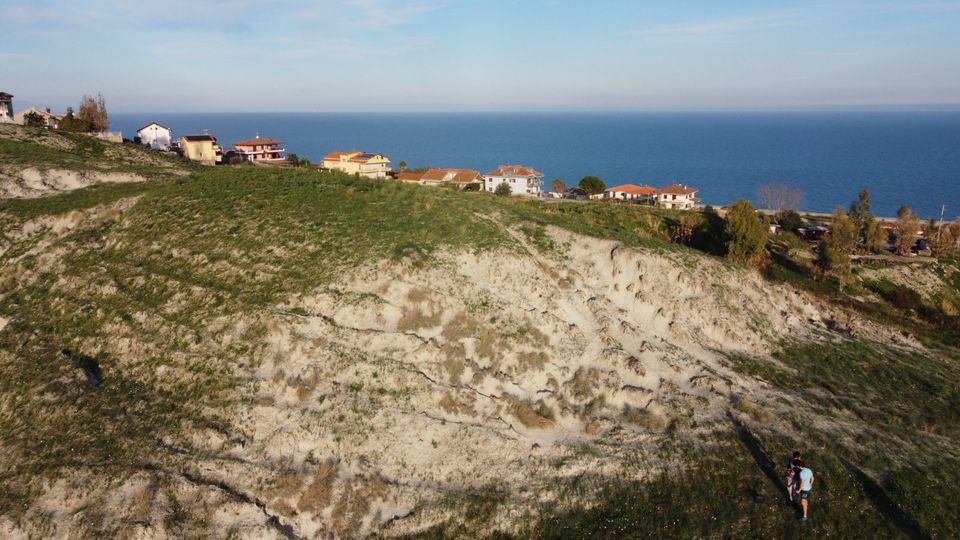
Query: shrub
x=746, y=234
x=503, y=190
x=789, y=220
x=592, y=185
x=833, y=254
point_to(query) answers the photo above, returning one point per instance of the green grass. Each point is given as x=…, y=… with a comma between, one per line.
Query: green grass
x=241, y=240
x=43, y=149
x=81, y=199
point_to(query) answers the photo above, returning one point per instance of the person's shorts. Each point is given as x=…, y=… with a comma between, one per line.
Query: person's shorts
x=805, y=494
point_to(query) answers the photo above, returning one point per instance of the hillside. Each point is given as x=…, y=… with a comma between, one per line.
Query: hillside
x=251, y=352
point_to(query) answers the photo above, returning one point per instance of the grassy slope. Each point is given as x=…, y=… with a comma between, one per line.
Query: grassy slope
x=242, y=239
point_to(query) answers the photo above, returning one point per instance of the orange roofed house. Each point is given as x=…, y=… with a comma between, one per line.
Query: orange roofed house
x=459, y=178
x=522, y=180
x=677, y=196
x=630, y=192
x=362, y=163
x=261, y=150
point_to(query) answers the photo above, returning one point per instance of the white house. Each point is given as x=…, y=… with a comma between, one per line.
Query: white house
x=6, y=107
x=677, y=196
x=522, y=180
x=630, y=192
x=155, y=136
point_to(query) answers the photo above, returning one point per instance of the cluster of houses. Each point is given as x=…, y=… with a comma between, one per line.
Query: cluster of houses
x=49, y=119
x=522, y=180
x=7, y=115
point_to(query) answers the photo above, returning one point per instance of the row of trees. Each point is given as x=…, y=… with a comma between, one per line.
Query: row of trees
x=855, y=231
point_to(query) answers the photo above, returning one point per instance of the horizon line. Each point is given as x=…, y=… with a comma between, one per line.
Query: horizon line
x=845, y=109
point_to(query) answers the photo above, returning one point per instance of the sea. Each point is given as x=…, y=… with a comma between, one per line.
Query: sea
x=910, y=158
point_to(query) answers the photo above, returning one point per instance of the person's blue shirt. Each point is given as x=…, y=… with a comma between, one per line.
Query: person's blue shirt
x=806, y=476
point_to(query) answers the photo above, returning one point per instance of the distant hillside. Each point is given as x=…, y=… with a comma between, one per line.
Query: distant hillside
x=250, y=352
x=36, y=162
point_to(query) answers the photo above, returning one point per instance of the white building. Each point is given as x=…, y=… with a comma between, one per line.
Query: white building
x=522, y=180
x=677, y=196
x=630, y=192
x=155, y=136
x=6, y=107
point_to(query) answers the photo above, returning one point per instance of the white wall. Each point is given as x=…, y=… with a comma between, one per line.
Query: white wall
x=518, y=186
x=155, y=137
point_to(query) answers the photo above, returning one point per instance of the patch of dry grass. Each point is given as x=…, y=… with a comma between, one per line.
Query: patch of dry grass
x=531, y=414
x=318, y=494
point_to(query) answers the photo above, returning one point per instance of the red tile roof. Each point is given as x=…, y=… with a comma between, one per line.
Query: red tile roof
x=677, y=189
x=336, y=155
x=410, y=176
x=457, y=176
x=258, y=141
x=515, y=170
x=634, y=190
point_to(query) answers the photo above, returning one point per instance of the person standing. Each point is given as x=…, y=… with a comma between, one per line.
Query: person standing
x=806, y=484
x=792, y=479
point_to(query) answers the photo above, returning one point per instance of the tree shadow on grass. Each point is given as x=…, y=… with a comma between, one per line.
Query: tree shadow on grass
x=885, y=505
x=759, y=455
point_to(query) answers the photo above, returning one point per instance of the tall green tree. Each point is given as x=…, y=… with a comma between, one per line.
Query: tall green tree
x=833, y=253
x=745, y=234
x=591, y=185
x=875, y=237
x=860, y=213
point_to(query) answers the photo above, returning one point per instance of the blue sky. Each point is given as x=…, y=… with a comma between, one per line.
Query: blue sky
x=479, y=55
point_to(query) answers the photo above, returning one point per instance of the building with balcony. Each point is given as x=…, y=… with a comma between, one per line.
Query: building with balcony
x=356, y=162
x=522, y=180
x=677, y=196
x=261, y=150
x=6, y=107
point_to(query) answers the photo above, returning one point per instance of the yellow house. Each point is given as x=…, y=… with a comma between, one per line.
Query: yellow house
x=202, y=148
x=362, y=163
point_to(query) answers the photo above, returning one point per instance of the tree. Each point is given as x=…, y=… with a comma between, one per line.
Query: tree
x=860, y=213
x=779, y=197
x=293, y=159
x=906, y=230
x=503, y=190
x=473, y=186
x=745, y=234
x=32, y=119
x=875, y=236
x=789, y=220
x=93, y=111
x=833, y=252
x=73, y=124
x=402, y=165
x=591, y=185
x=558, y=186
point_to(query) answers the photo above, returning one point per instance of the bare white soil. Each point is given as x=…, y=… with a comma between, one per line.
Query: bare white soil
x=373, y=401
